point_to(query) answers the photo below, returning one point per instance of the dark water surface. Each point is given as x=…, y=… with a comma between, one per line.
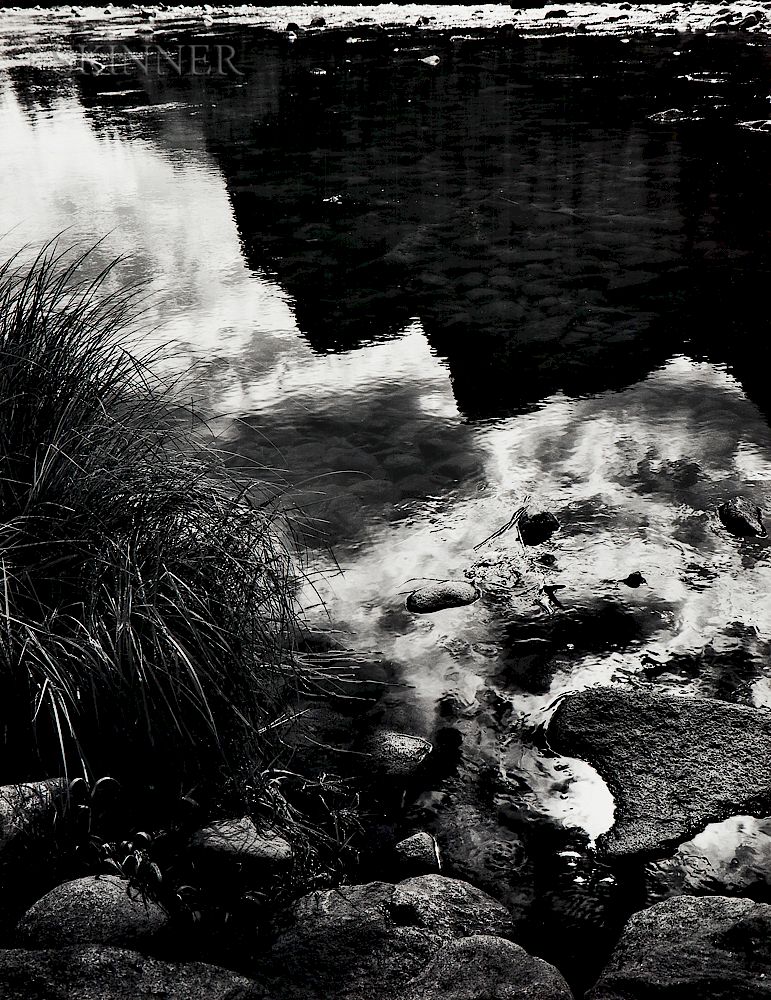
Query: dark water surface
x=427, y=292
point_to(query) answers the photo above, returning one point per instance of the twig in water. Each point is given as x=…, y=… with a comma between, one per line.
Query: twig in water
x=511, y=523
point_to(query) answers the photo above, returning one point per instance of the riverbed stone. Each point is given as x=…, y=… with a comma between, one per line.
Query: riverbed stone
x=98, y=909
x=441, y=596
x=692, y=948
x=234, y=846
x=481, y=967
x=355, y=942
x=673, y=764
x=99, y=973
x=418, y=855
x=396, y=755
x=742, y=517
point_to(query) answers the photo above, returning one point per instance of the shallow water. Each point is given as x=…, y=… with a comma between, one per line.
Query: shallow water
x=422, y=293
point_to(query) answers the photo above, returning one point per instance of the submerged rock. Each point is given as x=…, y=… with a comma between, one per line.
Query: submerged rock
x=113, y=974
x=356, y=942
x=440, y=596
x=496, y=575
x=742, y=517
x=692, y=948
x=418, y=855
x=673, y=764
x=479, y=967
x=99, y=909
x=236, y=845
x=538, y=528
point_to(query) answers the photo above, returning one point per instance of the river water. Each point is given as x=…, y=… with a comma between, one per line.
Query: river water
x=422, y=293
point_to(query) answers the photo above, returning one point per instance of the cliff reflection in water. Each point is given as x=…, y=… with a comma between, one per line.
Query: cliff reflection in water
x=515, y=199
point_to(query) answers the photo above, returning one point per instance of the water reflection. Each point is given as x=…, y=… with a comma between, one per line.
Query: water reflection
x=426, y=295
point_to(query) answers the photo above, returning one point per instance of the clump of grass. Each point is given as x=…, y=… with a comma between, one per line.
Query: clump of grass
x=147, y=605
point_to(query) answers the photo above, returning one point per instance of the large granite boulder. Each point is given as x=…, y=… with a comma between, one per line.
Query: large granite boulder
x=97, y=973
x=361, y=941
x=98, y=909
x=673, y=764
x=482, y=967
x=692, y=948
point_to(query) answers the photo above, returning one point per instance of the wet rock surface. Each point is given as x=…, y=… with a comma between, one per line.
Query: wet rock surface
x=692, y=948
x=441, y=596
x=356, y=940
x=742, y=518
x=94, y=910
x=673, y=764
x=96, y=973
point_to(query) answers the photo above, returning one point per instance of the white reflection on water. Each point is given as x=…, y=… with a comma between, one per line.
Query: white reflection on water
x=168, y=213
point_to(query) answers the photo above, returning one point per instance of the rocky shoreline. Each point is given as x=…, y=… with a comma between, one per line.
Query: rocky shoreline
x=421, y=938
x=528, y=19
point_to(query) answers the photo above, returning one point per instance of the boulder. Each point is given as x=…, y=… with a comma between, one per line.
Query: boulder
x=98, y=909
x=481, y=967
x=237, y=846
x=449, y=907
x=440, y=596
x=537, y=528
x=673, y=764
x=356, y=942
x=742, y=518
x=97, y=973
x=692, y=948
x=417, y=855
